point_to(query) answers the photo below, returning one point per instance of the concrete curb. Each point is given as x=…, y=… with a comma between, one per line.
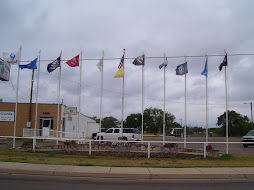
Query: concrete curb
x=123, y=172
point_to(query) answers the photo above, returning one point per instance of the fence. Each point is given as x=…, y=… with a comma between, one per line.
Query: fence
x=48, y=133
x=204, y=144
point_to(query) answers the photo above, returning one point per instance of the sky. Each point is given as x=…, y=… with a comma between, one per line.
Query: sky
x=176, y=28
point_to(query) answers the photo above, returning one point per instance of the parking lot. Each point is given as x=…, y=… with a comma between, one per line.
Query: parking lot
x=233, y=148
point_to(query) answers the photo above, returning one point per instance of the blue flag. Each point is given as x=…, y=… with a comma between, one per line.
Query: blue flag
x=164, y=64
x=205, y=71
x=31, y=65
x=52, y=66
x=182, y=69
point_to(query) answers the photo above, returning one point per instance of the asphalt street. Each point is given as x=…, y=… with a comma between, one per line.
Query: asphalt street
x=17, y=182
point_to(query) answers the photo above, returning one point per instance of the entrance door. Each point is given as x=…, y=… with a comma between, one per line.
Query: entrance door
x=46, y=125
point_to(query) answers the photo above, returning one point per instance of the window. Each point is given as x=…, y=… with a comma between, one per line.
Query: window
x=116, y=131
x=109, y=131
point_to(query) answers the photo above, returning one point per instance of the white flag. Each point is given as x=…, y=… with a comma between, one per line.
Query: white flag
x=11, y=57
x=99, y=65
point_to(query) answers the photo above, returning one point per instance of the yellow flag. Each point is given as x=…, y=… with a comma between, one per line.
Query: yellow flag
x=120, y=73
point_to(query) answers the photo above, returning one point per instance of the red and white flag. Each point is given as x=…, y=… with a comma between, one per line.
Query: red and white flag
x=74, y=62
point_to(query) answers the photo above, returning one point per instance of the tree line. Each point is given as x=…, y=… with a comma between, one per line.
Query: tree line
x=153, y=123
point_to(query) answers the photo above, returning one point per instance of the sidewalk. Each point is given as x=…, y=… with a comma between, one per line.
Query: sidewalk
x=123, y=172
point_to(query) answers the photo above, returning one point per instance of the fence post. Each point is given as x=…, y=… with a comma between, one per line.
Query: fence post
x=34, y=142
x=204, y=150
x=148, y=149
x=90, y=148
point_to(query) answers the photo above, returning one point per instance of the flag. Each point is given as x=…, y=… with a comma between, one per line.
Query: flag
x=99, y=65
x=31, y=65
x=52, y=66
x=120, y=73
x=140, y=60
x=182, y=69
x=11, y=57
x=121, y=63
x=74, y=62
x=165, y=63
x=205, y=71
x=224, y=62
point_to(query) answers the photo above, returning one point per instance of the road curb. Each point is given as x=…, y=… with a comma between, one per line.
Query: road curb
x=124, y=172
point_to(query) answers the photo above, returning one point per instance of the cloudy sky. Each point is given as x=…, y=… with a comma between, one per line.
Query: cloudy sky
x=174, y=27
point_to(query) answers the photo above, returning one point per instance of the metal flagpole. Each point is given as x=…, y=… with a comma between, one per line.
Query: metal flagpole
x=226, y=90
x=80, y=75
x=142, y=125
x=185, y=120
x=101, y=106
x=16, y=106
x=58, y=97
x=207, y=100
x=36, y=108
x=122, y=96
x=164, y=103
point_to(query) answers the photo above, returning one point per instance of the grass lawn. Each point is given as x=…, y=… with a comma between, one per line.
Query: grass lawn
x=85, y=160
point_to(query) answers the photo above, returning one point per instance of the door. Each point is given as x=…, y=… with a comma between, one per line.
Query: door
x=46, y=126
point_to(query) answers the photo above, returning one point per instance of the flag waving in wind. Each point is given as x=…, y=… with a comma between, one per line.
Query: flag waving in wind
x=182, y=69
x=99, y=65
x=52, y=66
x=120, y=72
x=164, y=64
x=31, y=65
x=11, y=57
x=224, y=62
x=74, y=62
x=140, y=60
x=205, y=71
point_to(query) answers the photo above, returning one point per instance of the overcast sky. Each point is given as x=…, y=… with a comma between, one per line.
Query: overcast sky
x=155, y=27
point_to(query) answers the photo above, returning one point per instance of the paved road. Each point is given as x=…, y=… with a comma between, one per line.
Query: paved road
x=233, y=148
x=17, y=182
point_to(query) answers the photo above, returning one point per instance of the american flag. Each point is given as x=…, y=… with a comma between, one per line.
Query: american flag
x=121, y=63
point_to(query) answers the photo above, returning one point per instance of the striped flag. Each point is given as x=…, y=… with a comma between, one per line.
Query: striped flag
x=121, y=63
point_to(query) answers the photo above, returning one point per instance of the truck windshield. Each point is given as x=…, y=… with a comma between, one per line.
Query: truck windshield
x=250, y=133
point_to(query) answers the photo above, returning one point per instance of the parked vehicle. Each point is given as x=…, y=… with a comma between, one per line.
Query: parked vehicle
x=129, y=134
x=94, y=134
x=249, y=137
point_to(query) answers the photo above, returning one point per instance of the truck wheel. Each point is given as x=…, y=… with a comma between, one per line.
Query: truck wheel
x=99, y=138
x=245, y=145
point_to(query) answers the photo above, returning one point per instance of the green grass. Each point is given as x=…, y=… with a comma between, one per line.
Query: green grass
x=226, y=160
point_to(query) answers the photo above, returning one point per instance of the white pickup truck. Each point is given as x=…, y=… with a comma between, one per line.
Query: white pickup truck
x=129, y=134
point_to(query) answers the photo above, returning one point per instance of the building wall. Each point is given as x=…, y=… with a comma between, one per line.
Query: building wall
x=44, y=110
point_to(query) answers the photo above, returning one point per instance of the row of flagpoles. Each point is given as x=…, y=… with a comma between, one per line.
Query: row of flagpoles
x=14, y=58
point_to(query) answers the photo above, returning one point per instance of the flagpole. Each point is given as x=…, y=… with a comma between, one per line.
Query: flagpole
x=207, y=101
x=58, y=97
x=31, y=96
x=164, y=103
x=142, y=125
x=226, y=91
x=101, y=88
x=80, y=75
x=122, y=96
x=16, y=106
x=36, y=108
x=185, y=120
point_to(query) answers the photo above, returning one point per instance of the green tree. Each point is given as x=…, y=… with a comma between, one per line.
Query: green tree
x=133, y=120
x=153, y=120
x=109, y=122
x=237, y=124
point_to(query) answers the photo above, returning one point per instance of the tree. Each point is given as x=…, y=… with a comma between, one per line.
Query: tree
x=96, y=119
x=133, y=120
x=237, y=124
x=153, y=120
x=109, y=122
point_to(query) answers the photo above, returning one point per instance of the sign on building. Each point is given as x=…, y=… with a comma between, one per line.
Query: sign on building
x=7, y=116
x=71, y=110
x=4, y=70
